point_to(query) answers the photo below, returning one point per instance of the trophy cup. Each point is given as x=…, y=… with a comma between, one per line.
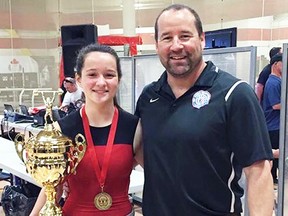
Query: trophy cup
x=50, y=156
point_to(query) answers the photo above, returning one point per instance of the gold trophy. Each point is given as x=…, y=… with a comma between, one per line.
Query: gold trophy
x=50, y=156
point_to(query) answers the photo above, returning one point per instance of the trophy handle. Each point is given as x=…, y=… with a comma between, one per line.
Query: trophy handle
x=19, y=142
x=79, y=151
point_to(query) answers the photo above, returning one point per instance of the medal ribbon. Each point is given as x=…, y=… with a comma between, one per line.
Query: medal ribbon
x=100, y=173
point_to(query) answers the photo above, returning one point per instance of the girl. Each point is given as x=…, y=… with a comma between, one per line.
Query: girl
x=100, y=186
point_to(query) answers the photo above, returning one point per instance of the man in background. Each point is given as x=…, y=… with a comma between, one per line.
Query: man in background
x=272, y=106
x=264, y=74
x=73, y=94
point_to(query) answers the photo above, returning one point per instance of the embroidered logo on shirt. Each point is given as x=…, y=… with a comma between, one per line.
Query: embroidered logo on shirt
x=200, y=99
x=153, y=100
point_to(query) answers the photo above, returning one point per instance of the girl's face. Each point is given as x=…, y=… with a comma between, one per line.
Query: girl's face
x=99, y=80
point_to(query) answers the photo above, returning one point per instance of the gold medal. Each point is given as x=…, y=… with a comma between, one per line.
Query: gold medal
x=103, y=201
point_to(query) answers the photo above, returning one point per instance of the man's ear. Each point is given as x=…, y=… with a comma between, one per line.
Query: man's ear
x=203, y=41
x=156, y=45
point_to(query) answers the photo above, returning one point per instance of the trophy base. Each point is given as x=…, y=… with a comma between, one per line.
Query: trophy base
x=50, y=209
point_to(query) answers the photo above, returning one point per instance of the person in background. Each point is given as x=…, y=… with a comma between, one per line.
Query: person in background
x=112, y=135
x=73, y=94
x=201, y=127
x=272, y=106
x=264, y=74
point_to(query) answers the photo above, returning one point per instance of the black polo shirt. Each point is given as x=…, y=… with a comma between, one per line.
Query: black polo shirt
x=195, y=146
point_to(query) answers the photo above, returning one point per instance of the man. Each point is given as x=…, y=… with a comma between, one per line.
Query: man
x=200, y=126
x=73, y=94
x=272, y=106
x=264, y=74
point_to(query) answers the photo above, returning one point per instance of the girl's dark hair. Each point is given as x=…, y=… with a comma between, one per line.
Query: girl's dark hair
x=82, y=54
x=177, y=7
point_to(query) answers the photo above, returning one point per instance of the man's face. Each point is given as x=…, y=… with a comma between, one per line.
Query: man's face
x=279, y=66
x=179, y=45
x=69, y=86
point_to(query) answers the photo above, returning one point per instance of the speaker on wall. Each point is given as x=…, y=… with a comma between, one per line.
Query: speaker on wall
x=74, y=37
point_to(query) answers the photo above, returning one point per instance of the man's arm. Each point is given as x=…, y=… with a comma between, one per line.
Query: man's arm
x=137, y=144
x=260, y=188
x=276, y=107
x=275, y=153
x=259, y=90
x=66, y=102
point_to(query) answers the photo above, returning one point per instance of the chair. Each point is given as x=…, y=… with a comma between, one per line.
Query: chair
x=5, y=176
x=24, y=109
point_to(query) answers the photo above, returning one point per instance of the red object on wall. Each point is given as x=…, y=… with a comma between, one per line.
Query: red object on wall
x=111, y=41
x=61, y=74
x=121, y=40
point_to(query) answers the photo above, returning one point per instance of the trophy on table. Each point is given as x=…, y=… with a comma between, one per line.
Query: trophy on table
x=50, y=156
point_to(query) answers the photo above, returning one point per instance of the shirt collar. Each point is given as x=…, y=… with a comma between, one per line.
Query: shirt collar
x=208, y=75
x=206, y=78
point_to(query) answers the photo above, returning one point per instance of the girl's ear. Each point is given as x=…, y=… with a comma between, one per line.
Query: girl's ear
x=78, y=79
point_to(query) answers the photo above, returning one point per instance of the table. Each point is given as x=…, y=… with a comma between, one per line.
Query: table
x=10, y=162
x=19, y=127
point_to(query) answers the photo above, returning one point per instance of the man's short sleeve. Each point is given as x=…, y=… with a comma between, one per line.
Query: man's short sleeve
x=264, y=74
x=247, y=130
